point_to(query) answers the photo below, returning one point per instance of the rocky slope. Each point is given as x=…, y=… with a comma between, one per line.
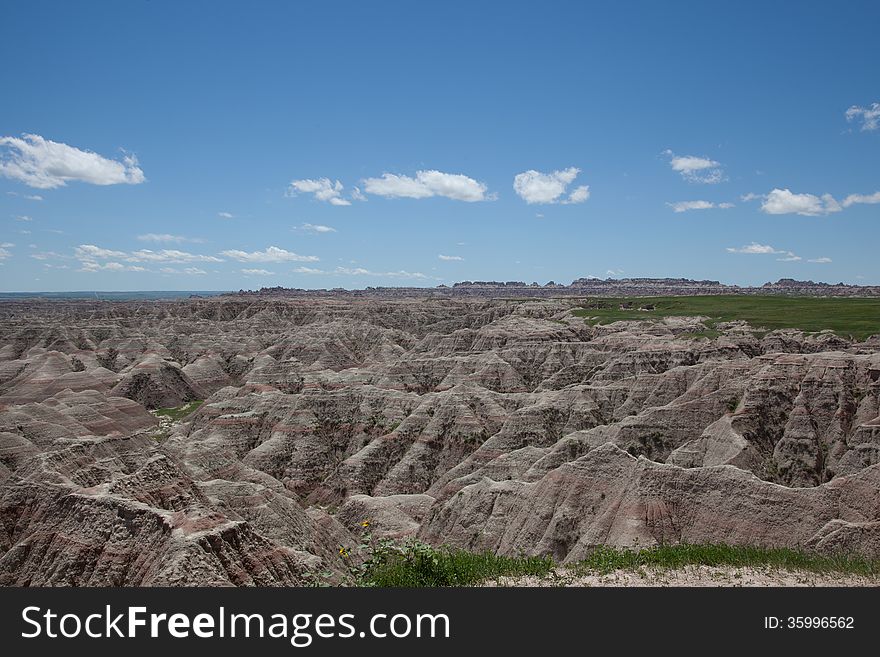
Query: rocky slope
x=507, y=425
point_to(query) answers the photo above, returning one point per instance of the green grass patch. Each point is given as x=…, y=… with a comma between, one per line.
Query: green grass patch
x=857, y=318
x=608, y=559
x=178, y=413
x=415, y=564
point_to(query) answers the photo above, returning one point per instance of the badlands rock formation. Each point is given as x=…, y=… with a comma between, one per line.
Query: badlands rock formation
x=505, y=425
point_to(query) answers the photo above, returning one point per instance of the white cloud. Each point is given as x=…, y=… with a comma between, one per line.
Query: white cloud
x=684, y=206
x=7, y=245
x=764, y=249
x=4, y=253
x=861, y=198
x=751, y=196
x=870, y=116
x=23, y=217
x=360, y=271
x=47, y=255
x=89, y=254
x=358, y=195
x=188, y=271
x=90, y=251
x=29, y=197
x=449, y=257
x=755, y=248
x=271, y=254
x=322, y=188
x=427, y=184
x=257, y=272
x=317, y=228
x=165, y=237
x=46, y=164
x=169, y=255
x=783, y=201
x=536, y=187
x=790, y=257
x=225, y=215
x=696, y=169
x=90, y=266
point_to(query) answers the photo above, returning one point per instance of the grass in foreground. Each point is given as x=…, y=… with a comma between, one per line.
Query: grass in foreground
x=419, y=565
x=178, y=413
x=607, y=559
x=849, y=317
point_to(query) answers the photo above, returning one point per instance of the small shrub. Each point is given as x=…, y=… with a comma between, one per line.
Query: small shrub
x=108, y=359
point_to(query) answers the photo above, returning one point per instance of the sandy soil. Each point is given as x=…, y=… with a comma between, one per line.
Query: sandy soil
x=691, y=576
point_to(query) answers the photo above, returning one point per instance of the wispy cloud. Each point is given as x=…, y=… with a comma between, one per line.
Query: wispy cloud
x=449, y=257
x=426, y=184
x=46, y=164
x=323, y=189
x=685, y=206
x=90, y=266
x=270, y=254
x=765, y=249
x=48, y=255
x=783, y=201
x=188, y=271
x=23, y=217
x=821, y=261
x=544, y=188
x=166, y=237
x=4, y=252
x=852, y=199
x=257, y=272
x=90, y=253
x=170, y=255
x=29, y=197
x=360, y=271
x=696, y=169
x=226, y=215
x=869, y=116
x=316, y=228
x=755, y=248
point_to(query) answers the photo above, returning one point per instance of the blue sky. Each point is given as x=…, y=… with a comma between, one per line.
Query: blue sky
x=226, y=145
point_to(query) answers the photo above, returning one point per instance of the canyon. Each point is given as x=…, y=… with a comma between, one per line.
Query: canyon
x=482, y=421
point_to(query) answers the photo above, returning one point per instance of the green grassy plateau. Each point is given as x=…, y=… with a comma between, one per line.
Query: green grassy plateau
x=848, y=317
x=419, y=565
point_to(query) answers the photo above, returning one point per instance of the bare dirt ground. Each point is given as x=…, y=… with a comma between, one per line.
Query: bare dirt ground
x=695, y=576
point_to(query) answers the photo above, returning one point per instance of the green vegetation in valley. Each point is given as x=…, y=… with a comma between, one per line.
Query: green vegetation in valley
x=608, y=559
x=858, y=318
x=414, y=564
x=178, y=413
